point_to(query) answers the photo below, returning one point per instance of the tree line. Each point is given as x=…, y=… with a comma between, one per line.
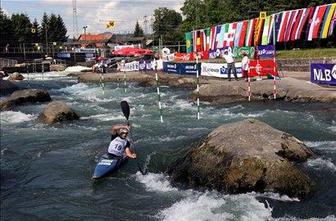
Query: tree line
x=198, y=14
x=18, y=29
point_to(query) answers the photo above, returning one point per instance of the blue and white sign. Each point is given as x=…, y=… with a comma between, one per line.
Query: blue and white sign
x=145, y=65
x=266, y=51
x=63, y=55
x=323, y=73
x=170, y=67
x=219, y=70
x=180, y=68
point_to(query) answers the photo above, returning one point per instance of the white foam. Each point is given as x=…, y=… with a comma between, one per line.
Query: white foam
x=276, y=196
x=201, y=207
x=204, y=206
x=12, y=117
x=320, y=163
x=155, y=182
x=77, y=68
x=332, y=128
x=168, y=139
x=104, y=117
x=216, y=207
x=328, y=218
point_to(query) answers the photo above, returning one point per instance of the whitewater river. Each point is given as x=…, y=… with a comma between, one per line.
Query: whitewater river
x=46, y=170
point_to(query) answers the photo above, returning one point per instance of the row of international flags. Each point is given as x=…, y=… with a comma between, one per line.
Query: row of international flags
x=300, y=24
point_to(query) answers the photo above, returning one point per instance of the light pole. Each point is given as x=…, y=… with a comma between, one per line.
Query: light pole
x=85, y=27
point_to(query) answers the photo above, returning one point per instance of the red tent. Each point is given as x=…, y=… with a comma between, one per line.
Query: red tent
x=132, y=51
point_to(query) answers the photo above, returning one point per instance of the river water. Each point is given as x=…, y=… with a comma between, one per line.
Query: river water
x=46, y=170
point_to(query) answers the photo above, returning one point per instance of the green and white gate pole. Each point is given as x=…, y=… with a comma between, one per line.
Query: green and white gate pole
x=102, y=82
x=27, y=75
x=198, y=88
x=159, y=96
x=42, y=74
x=123, y=64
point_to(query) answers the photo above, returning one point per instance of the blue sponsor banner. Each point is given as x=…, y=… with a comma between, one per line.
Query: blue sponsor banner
x=170, y=67
x=189, y=68
x=63, y=55
x=323, y=73
x=145, y=65
x=266, y=51
x=181, y=68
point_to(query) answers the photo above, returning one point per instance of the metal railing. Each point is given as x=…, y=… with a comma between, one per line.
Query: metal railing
x=4, y=62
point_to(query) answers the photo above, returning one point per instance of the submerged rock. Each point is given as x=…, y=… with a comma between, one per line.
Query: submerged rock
x=7, y=87
x=58, y=111
x=24, y=96
x=246, y=156
x=16, y=77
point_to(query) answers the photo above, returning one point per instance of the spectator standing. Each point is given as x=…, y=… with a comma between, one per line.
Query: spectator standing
x=245, y=65
x=230, y=64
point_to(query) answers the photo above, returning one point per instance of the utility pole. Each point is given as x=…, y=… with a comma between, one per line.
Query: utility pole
x=46, y=38
x=74, y=19
x=85, y=27
x=145, y=24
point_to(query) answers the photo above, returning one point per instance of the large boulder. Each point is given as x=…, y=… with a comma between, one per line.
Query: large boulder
x=58, y=111
x=24, y=96
x=16, y=77
x=7, y=87
x=245, y=156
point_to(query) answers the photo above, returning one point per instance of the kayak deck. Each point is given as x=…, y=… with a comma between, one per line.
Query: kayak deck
x=106, y=165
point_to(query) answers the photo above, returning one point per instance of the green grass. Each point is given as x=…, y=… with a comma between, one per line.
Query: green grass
x=308, y=53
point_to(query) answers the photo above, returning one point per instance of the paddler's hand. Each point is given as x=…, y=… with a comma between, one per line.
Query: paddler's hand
x=133, y=156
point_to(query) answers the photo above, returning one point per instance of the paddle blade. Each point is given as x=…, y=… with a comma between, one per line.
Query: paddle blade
x=125, y=109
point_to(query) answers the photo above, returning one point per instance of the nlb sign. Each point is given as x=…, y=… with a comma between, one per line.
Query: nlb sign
x=323, y=73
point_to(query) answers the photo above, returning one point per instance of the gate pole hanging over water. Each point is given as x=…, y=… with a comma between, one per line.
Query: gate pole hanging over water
x=102, y=85
x=27, y=75
x=159, y=97
x=42, y=66
x=274, y=69
x=198, y=88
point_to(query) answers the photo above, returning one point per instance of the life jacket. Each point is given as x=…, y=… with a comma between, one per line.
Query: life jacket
x=117, y=146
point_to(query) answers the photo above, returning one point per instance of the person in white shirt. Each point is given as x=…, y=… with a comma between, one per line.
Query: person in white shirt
x=245, y=65
x=230, y=64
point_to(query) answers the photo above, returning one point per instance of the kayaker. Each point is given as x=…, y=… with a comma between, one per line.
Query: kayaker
x=120, y=145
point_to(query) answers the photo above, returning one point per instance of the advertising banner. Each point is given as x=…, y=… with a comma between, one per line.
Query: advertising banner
x=189, y=68
x=323, y=73
x=131, y=66
x=266, y=51
x=219, y=70
x=263, y=68
x=145, y=65
x=236, y=51
x=181, y=68
x=170, y=67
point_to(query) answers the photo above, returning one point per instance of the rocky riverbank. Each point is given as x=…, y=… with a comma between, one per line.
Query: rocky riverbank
x=220, y=91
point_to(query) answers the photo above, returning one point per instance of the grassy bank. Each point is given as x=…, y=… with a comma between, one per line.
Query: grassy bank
x=308, y=53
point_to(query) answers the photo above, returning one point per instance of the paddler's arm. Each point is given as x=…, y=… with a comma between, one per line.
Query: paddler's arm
x=129, y=153
x=116, y=127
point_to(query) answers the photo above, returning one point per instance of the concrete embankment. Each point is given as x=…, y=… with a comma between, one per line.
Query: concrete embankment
x=220, y=91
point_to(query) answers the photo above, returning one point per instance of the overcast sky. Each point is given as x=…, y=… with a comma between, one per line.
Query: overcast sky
x=93, y=13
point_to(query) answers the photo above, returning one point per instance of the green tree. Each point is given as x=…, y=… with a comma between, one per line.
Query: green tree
x=61, y=30
x=6, y=30
x=44, y=28
x=167, y=24
x=138, y=32
x=52, y=30
x=36, y=28
x=22, y=28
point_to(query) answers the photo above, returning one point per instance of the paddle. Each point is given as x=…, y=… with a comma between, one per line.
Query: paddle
x=126, y=111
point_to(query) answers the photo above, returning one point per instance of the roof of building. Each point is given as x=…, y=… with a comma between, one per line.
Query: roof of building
x=104, y=37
